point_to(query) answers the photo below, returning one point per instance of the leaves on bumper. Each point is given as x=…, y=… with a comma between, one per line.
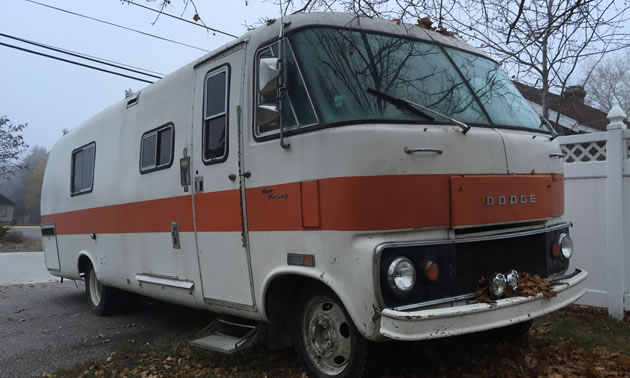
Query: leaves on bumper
x=529, y=285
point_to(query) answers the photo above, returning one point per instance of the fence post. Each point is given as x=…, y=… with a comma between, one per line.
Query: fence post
x=615, y=248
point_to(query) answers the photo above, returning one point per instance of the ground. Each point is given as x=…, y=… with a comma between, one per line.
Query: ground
x=48, y=328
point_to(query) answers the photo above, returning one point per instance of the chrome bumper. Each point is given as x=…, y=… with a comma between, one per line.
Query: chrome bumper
x=458, y=320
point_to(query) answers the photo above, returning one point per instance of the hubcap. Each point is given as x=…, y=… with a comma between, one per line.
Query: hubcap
x=327, y=337
x=95, y=289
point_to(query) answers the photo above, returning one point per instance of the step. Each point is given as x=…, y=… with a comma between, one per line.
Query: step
x=227, y=336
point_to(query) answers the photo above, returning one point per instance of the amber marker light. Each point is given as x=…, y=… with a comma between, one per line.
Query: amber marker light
x=555, y=250
x=431, y=270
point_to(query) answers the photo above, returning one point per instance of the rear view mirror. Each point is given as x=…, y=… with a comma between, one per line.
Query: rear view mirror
x=268, y=76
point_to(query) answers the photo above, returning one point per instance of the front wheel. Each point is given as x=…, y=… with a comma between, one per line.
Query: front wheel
x=327, y=342
x=100, y=297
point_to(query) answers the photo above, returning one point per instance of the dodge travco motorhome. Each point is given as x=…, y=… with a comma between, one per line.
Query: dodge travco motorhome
x=330, y=179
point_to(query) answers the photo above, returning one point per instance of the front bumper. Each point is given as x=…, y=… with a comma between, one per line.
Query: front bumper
x=458, y=320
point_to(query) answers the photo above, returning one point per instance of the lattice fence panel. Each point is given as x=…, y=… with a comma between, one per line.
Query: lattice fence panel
x=585, y=152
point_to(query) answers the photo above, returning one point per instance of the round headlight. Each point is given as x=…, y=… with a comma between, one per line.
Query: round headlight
x=512, y=279
x=497, y=284
x=566, y=245
x=401, y=275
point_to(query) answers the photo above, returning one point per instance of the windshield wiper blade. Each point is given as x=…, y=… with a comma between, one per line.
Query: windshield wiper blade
x=399, y=103
x=406, y=104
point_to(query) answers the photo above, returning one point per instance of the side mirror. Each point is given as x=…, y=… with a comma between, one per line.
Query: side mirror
x=268, y=76
x=267, y=114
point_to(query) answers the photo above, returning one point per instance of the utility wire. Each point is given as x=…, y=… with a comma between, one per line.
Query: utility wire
x=117, y=25
x=73, y=62
x=179, y=18
x=82, y=56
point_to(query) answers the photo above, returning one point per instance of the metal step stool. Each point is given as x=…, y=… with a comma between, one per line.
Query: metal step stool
x=227, y=336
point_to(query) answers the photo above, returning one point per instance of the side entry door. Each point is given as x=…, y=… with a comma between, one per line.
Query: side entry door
x=223, y=258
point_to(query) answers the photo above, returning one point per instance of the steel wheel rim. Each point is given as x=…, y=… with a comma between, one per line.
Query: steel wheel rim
x=327, y=336
x=95, y=289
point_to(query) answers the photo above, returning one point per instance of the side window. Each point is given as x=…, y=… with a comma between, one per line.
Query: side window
x=4, y=210
x=215, y=115
x=297, y=109
x=156, y=149
x=83, y=169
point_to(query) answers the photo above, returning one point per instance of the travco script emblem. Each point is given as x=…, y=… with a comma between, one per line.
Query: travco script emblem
x=522, y=199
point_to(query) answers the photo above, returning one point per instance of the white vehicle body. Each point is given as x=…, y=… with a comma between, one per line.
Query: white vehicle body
x=266, y=220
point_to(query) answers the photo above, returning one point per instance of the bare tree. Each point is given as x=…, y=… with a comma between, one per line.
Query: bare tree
x=608, y=83
x=12, y=146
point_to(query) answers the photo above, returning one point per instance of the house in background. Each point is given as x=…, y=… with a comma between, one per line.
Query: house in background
x=6, y=210
x=575, y=116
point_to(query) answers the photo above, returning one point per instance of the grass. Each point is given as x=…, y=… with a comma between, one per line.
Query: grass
x=585, y=328
x=577, y=341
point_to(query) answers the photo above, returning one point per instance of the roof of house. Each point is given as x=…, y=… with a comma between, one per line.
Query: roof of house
x=5, y=201
x=572, y=107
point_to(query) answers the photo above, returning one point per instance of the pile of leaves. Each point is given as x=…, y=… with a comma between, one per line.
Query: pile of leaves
x=426, y=23
x=529, y=285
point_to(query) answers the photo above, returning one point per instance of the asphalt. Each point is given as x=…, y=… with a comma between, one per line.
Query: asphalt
x=48, y=326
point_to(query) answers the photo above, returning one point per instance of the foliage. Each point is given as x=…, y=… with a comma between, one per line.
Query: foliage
x=4, y=230
x=16, y=186
x=33, y=190
x=12, y=146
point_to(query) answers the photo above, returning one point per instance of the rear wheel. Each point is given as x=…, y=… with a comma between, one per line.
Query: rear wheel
x=100, y=297
x=327, y=342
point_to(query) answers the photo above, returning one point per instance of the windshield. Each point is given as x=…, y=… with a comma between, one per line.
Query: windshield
x=340, y=66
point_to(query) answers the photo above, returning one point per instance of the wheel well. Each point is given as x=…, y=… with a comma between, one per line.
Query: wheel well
x=280, y=300
x=84, y=264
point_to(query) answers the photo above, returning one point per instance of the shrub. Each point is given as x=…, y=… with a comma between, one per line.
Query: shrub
x=4, y=231
x=14, y=237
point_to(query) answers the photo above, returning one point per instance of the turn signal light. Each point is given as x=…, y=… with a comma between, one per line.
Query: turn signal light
x=431, y=270
x=555, y=250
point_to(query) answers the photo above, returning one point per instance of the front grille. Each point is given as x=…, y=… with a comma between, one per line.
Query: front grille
x=481, y=259
x=463, y=263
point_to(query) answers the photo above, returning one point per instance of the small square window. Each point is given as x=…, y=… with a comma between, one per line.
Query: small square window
x=156, y=149
x=83, y=169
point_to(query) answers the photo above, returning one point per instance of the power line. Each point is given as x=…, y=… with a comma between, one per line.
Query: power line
x=118, y=26
x=73, y=62
x=82, y=56
x=179, y=18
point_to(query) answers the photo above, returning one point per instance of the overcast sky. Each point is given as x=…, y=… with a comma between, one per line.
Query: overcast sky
x=50, y=95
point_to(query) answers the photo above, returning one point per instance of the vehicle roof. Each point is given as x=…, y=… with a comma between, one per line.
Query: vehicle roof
x=271, y=30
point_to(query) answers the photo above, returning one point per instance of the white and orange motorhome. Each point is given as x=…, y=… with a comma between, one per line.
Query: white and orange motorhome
x=349, y=185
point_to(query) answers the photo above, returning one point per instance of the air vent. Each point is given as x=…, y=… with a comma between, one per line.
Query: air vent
x=133, y=100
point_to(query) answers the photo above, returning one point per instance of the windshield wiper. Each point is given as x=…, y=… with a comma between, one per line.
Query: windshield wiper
x=544, y=122
x=412, y=106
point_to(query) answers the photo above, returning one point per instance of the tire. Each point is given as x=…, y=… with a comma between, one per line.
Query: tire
x=326, y=341
x=100, y=297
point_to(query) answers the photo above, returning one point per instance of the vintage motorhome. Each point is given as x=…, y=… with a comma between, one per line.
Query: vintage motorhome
x=350, y=185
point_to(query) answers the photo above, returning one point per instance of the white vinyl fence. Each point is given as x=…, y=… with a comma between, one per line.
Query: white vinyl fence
x=597, y=201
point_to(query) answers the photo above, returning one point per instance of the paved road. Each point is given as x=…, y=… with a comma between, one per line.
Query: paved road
x=23, y=267
x=46, y=327
x=31, y=232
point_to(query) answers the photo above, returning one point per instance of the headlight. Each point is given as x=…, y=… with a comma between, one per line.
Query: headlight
x=512, y=279
x=401, y=275
x=566, y=245
x=497, y=285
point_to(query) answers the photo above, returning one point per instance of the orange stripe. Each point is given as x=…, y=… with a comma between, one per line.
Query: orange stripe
x=479, y=200
x=135, y=217
x=343, y=204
